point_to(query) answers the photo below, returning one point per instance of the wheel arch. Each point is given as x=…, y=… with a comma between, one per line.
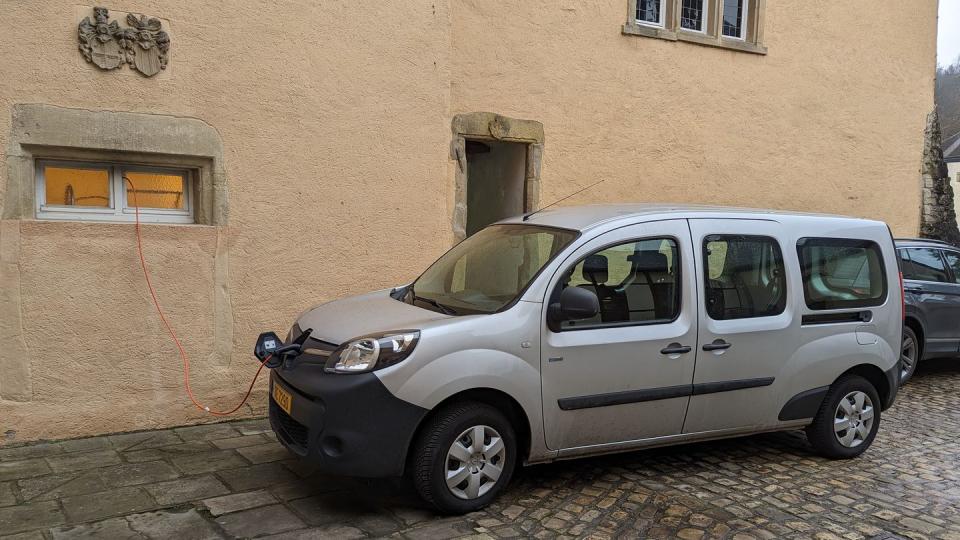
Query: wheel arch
x=916, y=325
x=877, y=378
x=498, y=399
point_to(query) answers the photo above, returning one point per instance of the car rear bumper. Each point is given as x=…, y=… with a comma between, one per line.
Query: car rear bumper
x=893, y=384
x=348, y=425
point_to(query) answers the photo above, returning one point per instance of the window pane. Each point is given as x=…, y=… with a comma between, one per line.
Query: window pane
x=648, y=11
x=744, y=277
x=156, y=190
x=636, y=282
x=953, y=261
x=490, y=269
x=841, y=273
x=925, y=265
x=693, y=15
x=733, y=18
x=65, y=186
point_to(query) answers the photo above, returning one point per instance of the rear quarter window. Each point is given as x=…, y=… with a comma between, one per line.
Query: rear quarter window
x=840, y=273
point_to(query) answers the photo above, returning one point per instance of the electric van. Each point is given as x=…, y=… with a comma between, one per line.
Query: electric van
x=579, y=331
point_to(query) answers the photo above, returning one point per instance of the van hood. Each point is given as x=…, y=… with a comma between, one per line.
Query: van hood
x=354, y=316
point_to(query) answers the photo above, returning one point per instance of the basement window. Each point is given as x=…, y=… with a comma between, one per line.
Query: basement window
x=83, y=191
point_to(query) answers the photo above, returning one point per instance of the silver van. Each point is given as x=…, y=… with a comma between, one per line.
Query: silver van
x=586, y=330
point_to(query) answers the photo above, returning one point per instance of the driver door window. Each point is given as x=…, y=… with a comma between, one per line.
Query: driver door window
x=636, y=283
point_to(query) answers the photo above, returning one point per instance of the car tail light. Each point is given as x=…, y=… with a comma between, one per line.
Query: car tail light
x=903, y=299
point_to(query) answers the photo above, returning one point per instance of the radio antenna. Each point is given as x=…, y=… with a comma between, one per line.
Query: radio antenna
x=554, y=203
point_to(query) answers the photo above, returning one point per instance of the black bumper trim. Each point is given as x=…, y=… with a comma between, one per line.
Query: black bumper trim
x=803, y=405
x=354, y=426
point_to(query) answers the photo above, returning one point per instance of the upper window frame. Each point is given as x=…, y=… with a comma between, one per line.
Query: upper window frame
x=853, y=305
x=678, y=280
x=120, y=209
x=659, y=24
x=744, y=22
x=751, y=40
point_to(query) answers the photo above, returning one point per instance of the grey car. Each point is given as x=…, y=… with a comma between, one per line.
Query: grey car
x=931, y=283
x=587, y=330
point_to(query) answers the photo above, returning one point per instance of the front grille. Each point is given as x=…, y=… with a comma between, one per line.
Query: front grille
x=295, y=433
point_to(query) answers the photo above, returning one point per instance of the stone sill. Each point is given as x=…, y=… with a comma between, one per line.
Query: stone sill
x=690, y=37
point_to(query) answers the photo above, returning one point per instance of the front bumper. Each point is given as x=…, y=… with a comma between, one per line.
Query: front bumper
x=348, y=425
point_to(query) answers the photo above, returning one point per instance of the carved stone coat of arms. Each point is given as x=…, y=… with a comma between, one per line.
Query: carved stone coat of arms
x=143, y=45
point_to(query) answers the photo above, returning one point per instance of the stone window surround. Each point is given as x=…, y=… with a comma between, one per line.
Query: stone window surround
x=487, y=126
x=671, y=31
x=58, y=133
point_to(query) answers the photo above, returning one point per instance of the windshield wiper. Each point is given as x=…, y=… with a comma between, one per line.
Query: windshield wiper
x=445, y=309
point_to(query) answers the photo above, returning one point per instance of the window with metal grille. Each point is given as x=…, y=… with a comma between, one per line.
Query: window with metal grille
x=734, y=17
x=113, y=192
x=650, y=12
x=693, y=15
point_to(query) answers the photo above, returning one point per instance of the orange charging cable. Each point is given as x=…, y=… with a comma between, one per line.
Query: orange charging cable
x=173, y=335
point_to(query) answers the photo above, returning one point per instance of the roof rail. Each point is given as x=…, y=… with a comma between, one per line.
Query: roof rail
x=930, y=240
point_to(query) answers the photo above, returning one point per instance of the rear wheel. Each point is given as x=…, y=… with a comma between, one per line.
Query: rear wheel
x=909, y=354
x=464, y=457
x=848, y=419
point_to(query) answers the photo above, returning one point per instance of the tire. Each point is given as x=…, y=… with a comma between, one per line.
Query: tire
x=826, y=433
x=910, y=348
x=432, y=457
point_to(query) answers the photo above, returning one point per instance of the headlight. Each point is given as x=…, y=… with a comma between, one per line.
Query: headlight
x=375, y=351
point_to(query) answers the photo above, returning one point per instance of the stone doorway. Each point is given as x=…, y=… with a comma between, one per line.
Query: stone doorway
x=498, y=169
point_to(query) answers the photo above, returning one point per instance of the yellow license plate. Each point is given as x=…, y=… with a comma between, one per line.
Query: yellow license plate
x=282, y=397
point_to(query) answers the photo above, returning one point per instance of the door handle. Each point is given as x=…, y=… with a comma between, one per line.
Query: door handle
x=718, y=345
x=913, y=289
x=676, y=348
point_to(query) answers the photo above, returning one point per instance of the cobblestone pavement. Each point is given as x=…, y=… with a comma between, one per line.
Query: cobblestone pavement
x=235, y=480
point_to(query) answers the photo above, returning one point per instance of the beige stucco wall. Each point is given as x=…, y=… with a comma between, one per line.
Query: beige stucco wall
x=335, y=123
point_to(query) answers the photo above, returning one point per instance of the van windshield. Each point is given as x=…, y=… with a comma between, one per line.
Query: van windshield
x=489, y=270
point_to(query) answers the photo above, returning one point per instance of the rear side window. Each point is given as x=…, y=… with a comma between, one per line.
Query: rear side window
x=953, y=261
x=924, y=264
x=744, y=277
x=842, y=273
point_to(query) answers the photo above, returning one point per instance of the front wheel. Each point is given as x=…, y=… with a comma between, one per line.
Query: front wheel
x=848, y=419
x=464, y=457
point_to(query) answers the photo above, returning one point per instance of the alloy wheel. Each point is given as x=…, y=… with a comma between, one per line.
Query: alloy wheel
x=475, y=462
x=908, y=357
x=853, y=420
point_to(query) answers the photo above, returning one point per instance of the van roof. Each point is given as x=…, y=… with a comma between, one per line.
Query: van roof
x=585, y=217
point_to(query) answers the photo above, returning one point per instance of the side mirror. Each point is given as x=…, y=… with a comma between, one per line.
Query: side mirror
x=576, y=303
x=267, y=344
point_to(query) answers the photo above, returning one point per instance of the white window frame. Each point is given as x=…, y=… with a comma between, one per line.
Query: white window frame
x=704, y=17
x=119, y=209
x=744, y=18
x=662, y=11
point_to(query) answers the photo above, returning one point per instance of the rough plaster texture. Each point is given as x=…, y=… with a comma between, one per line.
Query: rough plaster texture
x=337, y=153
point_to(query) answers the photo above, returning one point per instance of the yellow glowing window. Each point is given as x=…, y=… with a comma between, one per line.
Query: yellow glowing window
x=113, y=192
x=156, y=190
x=77, y=187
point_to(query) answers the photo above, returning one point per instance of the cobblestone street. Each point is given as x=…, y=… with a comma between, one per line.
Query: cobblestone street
x=235, y=480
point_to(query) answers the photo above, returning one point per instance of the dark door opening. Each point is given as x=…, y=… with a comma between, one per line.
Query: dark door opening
x=496, y=174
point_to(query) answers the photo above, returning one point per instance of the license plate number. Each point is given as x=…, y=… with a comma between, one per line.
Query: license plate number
x=283, y=398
